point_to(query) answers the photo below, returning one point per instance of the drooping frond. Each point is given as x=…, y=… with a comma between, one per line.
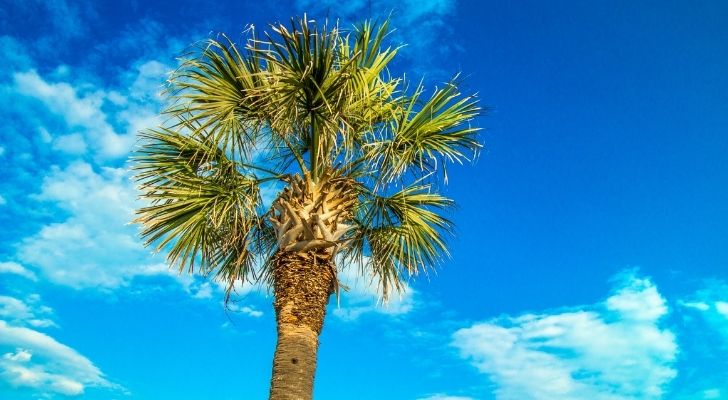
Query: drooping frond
x=399, y=235
x=203, y=207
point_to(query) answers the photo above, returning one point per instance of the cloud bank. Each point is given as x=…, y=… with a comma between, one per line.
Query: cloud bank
x=31, y=359
x=616, y=349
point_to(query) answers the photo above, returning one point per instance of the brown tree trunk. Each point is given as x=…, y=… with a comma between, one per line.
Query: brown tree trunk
x=302, y=284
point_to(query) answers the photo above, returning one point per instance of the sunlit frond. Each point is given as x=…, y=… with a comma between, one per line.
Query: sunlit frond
x=439, y=129
x=203, y=210
x=400, y=235
x=215, y=93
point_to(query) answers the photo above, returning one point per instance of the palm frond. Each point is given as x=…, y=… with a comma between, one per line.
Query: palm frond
x=203, y=209
x=439, y=129
x=401, y=233
x=372, y=96
x=216, y=92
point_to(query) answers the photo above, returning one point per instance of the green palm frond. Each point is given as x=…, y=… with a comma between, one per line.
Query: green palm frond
x=307, y=82
x=401, y=233
x=216, y=92
x=439, y=130
x=371, y=95
x=203, y=209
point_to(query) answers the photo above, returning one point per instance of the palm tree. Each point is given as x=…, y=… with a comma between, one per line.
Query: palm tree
x=311, y=111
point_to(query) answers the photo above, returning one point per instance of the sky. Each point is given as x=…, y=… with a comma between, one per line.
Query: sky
x=589, y=260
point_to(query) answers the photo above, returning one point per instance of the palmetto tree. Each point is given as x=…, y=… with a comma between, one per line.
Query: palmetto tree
x=314, y=112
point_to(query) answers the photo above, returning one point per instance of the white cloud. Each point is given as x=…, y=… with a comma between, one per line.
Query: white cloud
x=698, y=305
x=637, y=300
x=249, y=311
x=3, y=201
x=42, y=363
x=39, y=361
x=20, y=356
x=613, y=350
x=29, y=312
x=204, y=291
x=12, y=308
x=704, y=343
x=95, y=246
x=363, y=294
x=92, y=244
x=722, y=308
x=79, y=110
x=712, y=304
x=41, y=323
x=16, y=269
x=104, y=119
x=71, y=144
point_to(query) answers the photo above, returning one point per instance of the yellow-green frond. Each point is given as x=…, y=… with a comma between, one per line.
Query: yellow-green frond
x=438, y=130
x=202, y=209
x=402, y=234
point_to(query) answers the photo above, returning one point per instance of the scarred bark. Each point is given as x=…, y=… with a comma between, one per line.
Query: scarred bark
x=311, y=216
x=302, y=285
x=310, y=221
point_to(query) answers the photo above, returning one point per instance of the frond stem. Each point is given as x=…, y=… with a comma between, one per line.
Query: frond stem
x=255, y=167
x=298, y=157
x=314, y=148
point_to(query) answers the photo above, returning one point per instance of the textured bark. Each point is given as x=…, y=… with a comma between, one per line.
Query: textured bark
x=310, y=220
x=302, y=284
x=294, y=364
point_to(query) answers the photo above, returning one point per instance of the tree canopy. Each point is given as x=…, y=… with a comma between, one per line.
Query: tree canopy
x=303, y=102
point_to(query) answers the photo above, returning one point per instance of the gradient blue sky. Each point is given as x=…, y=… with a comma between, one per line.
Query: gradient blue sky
x=590, y=260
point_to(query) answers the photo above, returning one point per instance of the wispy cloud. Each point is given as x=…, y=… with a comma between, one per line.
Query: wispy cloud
x=711, y=305
x=29, y=312
x=245, y=310
x=42, y=363
x=75, y=251
x=32, y=359
x=84, y=182
x=13, y=52
x=103, y=119
x=67, y=19
x=362, y=297
x=616, y=349
x=72, y=131
x=16, y=269
x=703, y=321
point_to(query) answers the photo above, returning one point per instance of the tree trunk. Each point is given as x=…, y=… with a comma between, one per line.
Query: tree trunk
x=302, y=284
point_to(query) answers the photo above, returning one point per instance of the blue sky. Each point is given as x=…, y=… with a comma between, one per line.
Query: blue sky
x=590, y=260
